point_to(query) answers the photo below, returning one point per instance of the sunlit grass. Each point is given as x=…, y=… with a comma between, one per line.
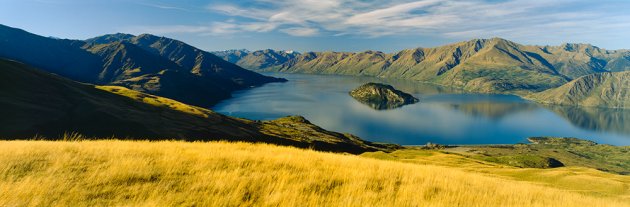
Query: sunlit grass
x=112, y=173
x=581, y=180
x=156, y=100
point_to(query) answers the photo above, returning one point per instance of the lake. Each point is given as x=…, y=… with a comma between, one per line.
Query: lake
x=443, y=115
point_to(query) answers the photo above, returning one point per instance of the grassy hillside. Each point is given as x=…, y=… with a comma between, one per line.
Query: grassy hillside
x=549, y=152
x=35, y=103
x=574, y=177
x=601, y=89
x=113, y=173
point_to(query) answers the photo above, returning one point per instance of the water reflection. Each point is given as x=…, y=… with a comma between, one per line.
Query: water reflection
x=492, y=110
x=443, y=115
x=381, y=105
x=598, y=119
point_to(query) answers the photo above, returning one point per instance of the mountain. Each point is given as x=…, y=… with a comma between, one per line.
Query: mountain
x=34, y=103
x=128, y=65
x=480, y=65
x=597, y=90
x=147, y=63
x=109, y=38
x=198, y=62
x=575, y=60
x=258, y=59
x=233, y=55
x=60, y=56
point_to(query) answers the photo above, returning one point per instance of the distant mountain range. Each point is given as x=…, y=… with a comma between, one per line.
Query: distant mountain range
x=481, y=65
x=174, y=69
x=37, y=104
x=146, y=63
x=257, y=59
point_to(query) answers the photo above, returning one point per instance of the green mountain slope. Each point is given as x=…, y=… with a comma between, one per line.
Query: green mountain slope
x=181, y=72
x=194, y=60
x=35, y=103
x=600, y=89
x=481, y=65
x=122, y=60
x=577, y=60
x=128, y=65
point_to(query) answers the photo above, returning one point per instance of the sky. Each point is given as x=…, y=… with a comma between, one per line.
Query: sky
x=323, y=25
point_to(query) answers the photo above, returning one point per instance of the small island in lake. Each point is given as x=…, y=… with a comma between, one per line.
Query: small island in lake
x=381, y=96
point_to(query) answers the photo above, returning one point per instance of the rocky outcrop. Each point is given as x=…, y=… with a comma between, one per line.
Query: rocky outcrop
x=381, y=96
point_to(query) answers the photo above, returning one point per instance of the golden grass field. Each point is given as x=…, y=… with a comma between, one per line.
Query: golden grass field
x=171, y=173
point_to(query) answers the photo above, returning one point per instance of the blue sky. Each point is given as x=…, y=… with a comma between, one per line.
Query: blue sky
x=340, y=25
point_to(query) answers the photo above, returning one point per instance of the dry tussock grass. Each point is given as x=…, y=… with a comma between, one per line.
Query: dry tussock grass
x=114, y=173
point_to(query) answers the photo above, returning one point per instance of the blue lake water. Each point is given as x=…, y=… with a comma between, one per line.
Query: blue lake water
x=443, y=115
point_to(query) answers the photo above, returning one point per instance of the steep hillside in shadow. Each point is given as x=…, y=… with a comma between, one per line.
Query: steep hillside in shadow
x=34, y=103
x=154, y=65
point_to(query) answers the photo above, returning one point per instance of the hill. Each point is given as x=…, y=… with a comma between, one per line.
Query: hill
x=34, y=103
x=560, y=151
x=113, y=173
x=381, y=96
x=601, y=89
x=192, y=59
x=480, y=65
x=59, y=56
x=151, y=64
x=126, y=64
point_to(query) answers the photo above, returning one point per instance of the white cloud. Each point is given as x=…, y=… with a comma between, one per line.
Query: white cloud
x=301, y=31
x=167, y=29
x=163, y=6
x=395, y=12
x=215, y=29
x=444, y=18
x=232, y=10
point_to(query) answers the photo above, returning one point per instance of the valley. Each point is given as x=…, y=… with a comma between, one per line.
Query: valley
x=147, y=120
